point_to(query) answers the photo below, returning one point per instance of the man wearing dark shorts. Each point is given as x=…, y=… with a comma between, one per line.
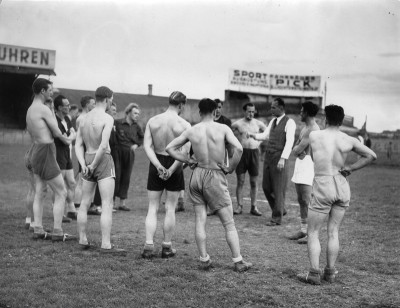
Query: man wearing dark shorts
x=62, y=106
x=250, y=158
x=164, y=172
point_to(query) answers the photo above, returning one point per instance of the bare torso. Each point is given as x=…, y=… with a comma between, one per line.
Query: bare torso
x=242, y=127
x=36, y=123
x=329, y=150
x=92, y=126
x=208, y=142
x=304, y=137
x=164, y=128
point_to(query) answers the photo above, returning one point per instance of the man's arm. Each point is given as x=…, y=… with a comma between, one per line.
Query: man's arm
x=366, y=157
x=174, y=148
x=105, y=137
x=149, y=149
x=185, y=150
x=237, y=149
x=299, y=149
x=80, y=150
x=261, y=136
x=52, y=124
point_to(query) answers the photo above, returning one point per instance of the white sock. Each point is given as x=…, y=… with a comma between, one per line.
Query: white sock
x=237, y=259
x=149, y=243
x=27, y=220
x=205, y=259
x=303, y=228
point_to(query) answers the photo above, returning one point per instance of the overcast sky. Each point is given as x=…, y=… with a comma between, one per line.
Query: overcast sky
x=191, y=46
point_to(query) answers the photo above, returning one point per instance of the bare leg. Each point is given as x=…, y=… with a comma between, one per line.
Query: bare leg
x=38, y=201
x=315, y=221
x=151, y=218
x=78, y=189
x=304, y=198
x=253, y=196
x=226, y=216
x=239, y=188
x=106, y=188
x=30, y=197
x=70, y=183
x=335, y=218
x=169, y=221
x=200, y=229
x=88, y=189
x=60, y=193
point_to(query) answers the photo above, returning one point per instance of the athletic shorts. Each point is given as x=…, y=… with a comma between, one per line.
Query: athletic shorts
x=63, y=155
x=104, y=170
x=209, y=187
x=249, y=162
x=329, y=191
x=175, y=183
x=27, y=159
x=303, y=171
x=43, y=161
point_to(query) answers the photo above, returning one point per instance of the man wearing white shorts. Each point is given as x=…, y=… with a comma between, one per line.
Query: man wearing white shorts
x=303, y=174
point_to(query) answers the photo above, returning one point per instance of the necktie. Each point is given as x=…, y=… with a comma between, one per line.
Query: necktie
x=274, y=123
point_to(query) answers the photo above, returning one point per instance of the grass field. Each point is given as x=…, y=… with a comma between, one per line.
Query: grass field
x=45, y=274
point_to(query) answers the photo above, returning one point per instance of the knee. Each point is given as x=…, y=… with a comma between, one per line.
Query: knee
x=62, y=193
x=253, y=184
x=229, y=225
x=240, y=182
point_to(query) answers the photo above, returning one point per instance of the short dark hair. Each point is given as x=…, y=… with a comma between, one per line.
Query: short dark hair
x=334, y=115
x=85, y=100
x=248, y=105
x=102, y=93
x=58, y=101
x=177, y=98
x=207, y=106
x=280, y=102
x=39, y=84
x=218, y=101
x=310, y=108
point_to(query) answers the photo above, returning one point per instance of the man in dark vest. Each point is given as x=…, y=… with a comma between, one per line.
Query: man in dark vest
x=280, y=134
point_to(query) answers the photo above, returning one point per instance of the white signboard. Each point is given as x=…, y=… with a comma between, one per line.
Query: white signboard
x=27, y=57
x=264, y=83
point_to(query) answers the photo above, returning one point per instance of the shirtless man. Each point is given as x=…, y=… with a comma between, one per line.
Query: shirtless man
x=208, y=185
x=164, y=172
x=303, y=173
x=331, y=190
x=250, y=158
x=97, y=168
x=87, y=103
x=42, y=127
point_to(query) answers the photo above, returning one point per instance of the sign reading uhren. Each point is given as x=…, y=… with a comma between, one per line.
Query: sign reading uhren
x=27, y=57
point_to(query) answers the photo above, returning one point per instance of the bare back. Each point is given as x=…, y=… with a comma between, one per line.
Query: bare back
x=241, y=129
x=39, y=122
x=92, y=126
x=330, y=148
x=164, y=128
x=208, y=142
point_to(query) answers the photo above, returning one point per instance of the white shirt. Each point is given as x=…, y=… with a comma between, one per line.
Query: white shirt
x=290, y=130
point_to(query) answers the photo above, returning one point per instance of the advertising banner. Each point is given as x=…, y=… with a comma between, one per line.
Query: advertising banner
x=27, y=57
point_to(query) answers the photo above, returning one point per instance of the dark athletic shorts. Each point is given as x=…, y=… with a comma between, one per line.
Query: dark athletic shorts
x=63, y=155
x=104, y=170
x=175, y=183
x=43, y=160
x=249, y=162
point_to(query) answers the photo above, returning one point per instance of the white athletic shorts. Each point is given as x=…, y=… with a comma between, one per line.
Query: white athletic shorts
x=303, y=171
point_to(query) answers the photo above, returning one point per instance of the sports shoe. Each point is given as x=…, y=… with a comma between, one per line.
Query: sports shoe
x=168, y=252
x=205, y=266
x=312, y=277
x=41, y=236
x=63, y=237
x=238, y=210
x=329, y=274
x=27, y=225
x=254, y=211
x=66, y=219
x=88, y=246
x=123, y=208
x=297, y=235
x=242, y=266
x=303, y=240
x=272, y=224
x=113, y=251
x=148, y=251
